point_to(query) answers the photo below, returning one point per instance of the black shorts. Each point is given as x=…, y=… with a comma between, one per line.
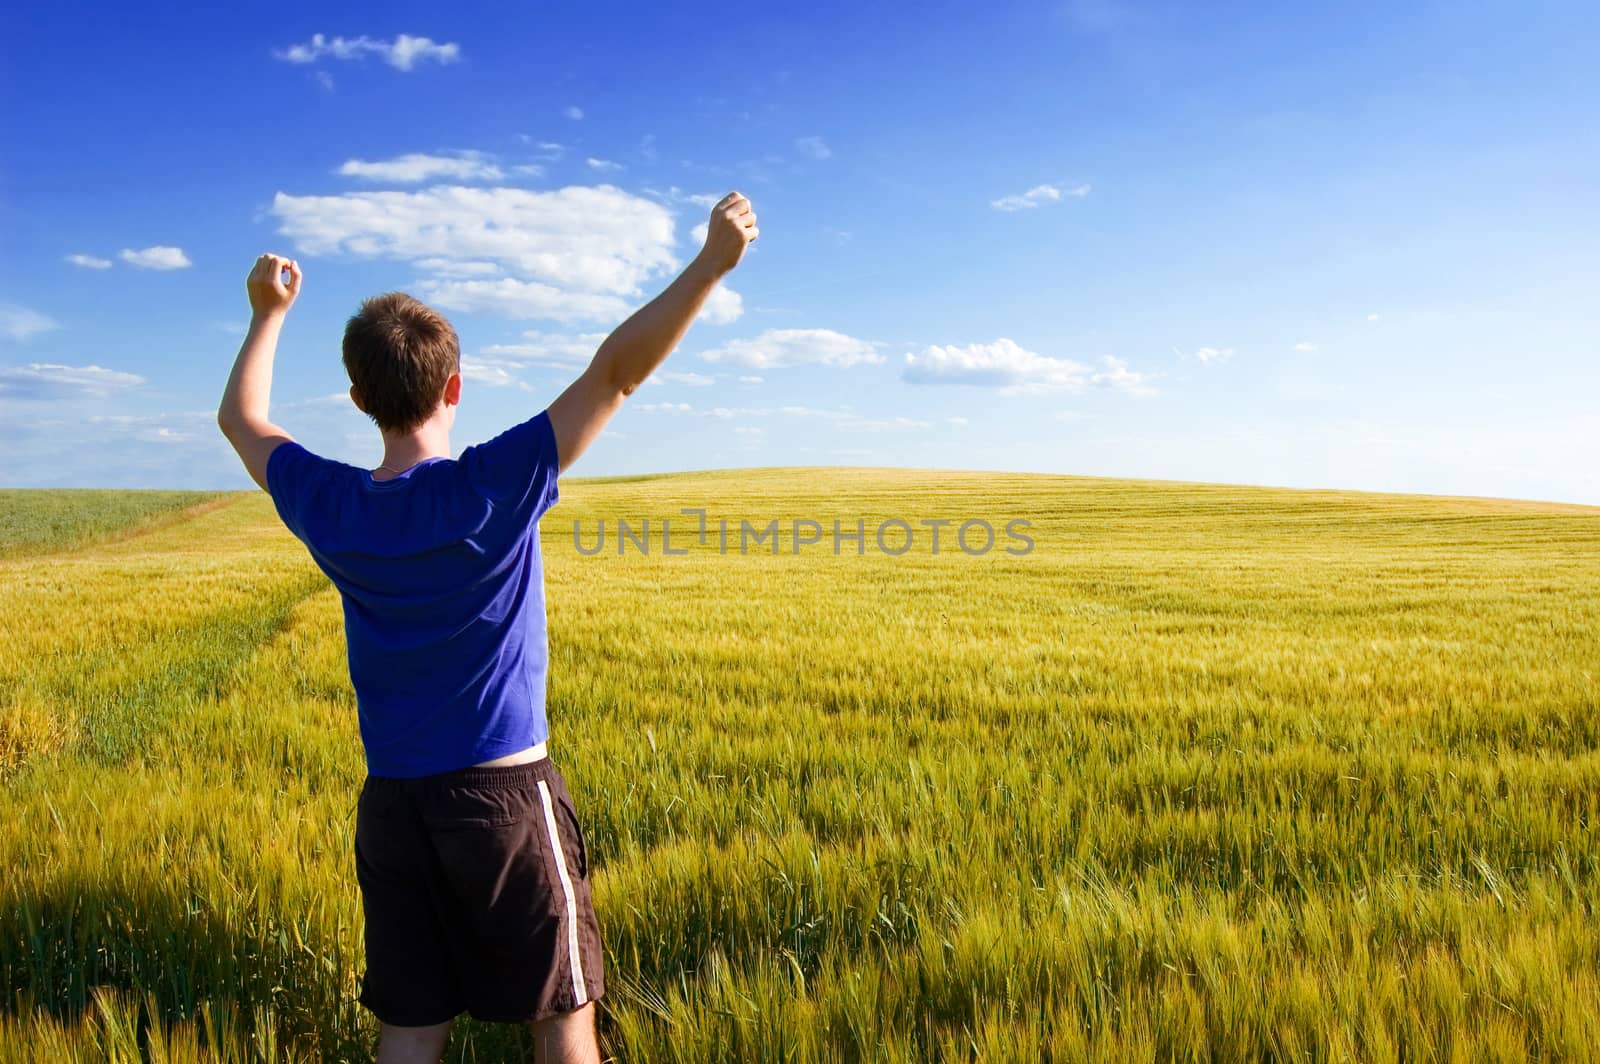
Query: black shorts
x=475, y=885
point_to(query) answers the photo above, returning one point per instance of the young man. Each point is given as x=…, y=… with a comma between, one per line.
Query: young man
x=471, y=865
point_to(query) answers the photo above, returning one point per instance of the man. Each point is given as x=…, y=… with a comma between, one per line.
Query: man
x=471, y=865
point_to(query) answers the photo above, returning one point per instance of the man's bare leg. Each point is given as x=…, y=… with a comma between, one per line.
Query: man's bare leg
x=567, y=1039
x=412, y=1045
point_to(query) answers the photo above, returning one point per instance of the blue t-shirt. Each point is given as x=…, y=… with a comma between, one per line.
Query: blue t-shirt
x=443, y=593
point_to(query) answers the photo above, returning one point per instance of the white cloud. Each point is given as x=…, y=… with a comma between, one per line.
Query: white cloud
x=574, y=253
x=493, y=373
x=159, y=257
x=511, y=298
x=722, y=307
x=558, y=350
x=698, y=233
x=148, y=428
x=90, y=262
x=1207, y=355
x=1305, y=346
x=958, y=422
x=47, y=380
x=338, y=400
x=325, y=79
x=1013, y=369
x=457, y=268
x=842, y=420
x=402, y=53
x=574, y=112
x=418, y=166
x=749, y=379
x=689, y=377
x=777, y=348
x=849, y=423
x=19, y=322
x=528, y=170
x=1372, y=317
x=813, y=147
x=604, y=166
x=1116, y=374
x=1038, y=194
x=1002, y=363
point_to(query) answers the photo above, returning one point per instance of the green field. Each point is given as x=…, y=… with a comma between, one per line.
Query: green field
x=1212, y=774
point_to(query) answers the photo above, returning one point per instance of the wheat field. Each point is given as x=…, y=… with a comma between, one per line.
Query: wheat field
x=1210, y=774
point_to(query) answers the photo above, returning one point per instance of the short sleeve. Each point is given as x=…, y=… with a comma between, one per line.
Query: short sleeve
x=519, y=468
x=293, y=477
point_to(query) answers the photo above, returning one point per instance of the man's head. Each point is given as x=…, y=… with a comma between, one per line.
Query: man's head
x=404, y=362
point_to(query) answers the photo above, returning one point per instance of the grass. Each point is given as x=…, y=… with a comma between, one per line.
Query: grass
x=36, y=521
x=1212, y=774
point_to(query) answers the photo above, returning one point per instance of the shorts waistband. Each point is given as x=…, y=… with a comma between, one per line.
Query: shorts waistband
x=478, y=775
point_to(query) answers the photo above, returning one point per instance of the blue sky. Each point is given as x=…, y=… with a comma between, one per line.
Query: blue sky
x=1252, y=243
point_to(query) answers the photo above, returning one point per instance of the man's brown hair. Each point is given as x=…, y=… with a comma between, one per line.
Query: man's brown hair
x=399, y=353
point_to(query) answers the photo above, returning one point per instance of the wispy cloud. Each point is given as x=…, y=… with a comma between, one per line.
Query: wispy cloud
x=402, y=53
x=574, y=112
x=841, y=420
x=604, y=166
x=458, y=267
x=159, y=257
x=19, y=322
x=491, y=372
x=813, y=148
x=1006, y=365
x=1305, y=346
x=547, y=150
x=689, y=377
x=778, y=348
x=1206, y=355
x=154, y=428
x=558, y=350
x=1037, y=196
x=1114, y=373
x=48, y=380
x=89, y=262
x=723, y=306
x=509, y=297
x=418, y=166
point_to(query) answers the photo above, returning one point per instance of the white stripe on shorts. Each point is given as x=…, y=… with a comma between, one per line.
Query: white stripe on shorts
x=580, y=993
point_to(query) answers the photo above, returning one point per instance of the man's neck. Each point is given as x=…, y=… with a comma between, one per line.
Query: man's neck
x=402, y=451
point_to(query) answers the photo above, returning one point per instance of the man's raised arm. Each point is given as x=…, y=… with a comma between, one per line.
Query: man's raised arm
x=242, y=414
x=640, y=344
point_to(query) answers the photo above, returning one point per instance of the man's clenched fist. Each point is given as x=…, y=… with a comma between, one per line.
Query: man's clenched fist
x=268, y=292
x=732, y=228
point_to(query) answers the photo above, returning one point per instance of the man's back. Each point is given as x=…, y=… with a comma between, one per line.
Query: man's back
x=443, y=591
